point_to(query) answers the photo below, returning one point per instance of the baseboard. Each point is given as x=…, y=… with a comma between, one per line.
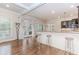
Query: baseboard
x=8, y=40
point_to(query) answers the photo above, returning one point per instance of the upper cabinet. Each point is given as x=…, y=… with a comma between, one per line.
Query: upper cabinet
x=70, y=23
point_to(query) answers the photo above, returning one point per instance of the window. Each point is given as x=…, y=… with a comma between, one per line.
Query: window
x=38, y=27
x=4, y=27
x=27, y=29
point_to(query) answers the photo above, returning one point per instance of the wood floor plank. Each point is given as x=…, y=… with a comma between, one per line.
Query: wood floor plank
x=14, y=48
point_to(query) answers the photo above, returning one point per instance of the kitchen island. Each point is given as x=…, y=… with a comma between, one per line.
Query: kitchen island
x=58, y=39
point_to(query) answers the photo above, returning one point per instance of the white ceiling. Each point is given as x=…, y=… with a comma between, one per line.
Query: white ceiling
x=19, y=7
x=44, y=11
x=12, y=7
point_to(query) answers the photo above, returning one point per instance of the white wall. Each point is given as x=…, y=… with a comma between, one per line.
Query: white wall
x=14, y=18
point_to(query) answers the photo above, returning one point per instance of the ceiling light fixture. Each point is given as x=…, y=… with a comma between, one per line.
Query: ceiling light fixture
x=7, y=5
x=53, y=12
x=71, y=6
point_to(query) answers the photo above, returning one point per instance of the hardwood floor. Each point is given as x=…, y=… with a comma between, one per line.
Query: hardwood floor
x=17, y=48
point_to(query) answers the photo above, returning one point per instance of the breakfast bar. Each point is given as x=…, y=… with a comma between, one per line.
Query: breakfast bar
x=58, y=39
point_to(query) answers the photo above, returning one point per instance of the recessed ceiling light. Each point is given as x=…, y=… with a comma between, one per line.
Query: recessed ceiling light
x=53, y=12
x=71, y=6
x=7, y=5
